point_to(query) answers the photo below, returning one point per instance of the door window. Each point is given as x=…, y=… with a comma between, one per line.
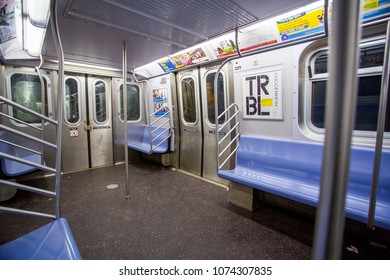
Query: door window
x=188, y=100
x=100, y=102
x=72, y=101
x=133, y=102
x=26, y=91
x=210, y=97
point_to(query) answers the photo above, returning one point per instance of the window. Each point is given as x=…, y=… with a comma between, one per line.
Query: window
x=210, y=97
x=72, y=101
x=188, y=100
x=369, y=85
x=100, y=113
x=133, y=103
x=26, y=91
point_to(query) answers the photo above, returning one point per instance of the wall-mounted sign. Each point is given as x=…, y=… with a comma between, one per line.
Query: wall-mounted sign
x=73, y=132
x=262, y=93
x=160, y=103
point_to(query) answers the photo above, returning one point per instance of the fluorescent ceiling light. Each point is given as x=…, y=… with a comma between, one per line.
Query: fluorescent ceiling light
x=35, y=25
x=38, y=12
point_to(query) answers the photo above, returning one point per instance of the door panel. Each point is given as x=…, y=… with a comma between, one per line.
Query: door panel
x=190, y=122
x=74, y=132
x=209, y=135
x=100, y=121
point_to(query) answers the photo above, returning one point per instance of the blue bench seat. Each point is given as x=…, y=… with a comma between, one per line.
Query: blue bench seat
x=13, y=168
x=139, y=139
x=292, y=169
x=53, y=241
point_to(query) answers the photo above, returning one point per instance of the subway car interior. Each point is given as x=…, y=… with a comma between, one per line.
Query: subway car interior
x=255, y=130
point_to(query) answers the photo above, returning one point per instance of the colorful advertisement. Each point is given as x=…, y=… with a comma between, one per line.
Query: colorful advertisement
x=262, y=93
x=188, y=58
x=160, y=102
x=301, y=24
x=183, y=59
x=167, y=65
x=7, y=21
x=375, y=8
x=225, y=47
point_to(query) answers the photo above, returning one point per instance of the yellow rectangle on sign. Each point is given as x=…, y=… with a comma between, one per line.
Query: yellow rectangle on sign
x=266, y=102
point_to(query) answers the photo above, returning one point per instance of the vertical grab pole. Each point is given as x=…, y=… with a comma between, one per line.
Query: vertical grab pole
x=380, y=132
x=126, y=136
x=340, y=118
x=60, y=98
x=41, y=82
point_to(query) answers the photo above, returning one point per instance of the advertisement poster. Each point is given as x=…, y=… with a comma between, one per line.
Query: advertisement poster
x=259, y=37
x=188, y=58
x=7, y=21
x=301, y=24
x=224, y=47
x=183, y=59
x=375, y=8
x=160, y=102
x=167, y=65
x=262, y=93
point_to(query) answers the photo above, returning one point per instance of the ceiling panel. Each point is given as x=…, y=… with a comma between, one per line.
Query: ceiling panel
x=182, y=23
x=93, y=31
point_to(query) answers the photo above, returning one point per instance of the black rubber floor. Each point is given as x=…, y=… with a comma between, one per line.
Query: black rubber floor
x=170, y=215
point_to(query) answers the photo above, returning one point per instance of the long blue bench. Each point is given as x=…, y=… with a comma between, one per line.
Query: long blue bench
x=292, y=169
x=139, y=139
x=53, y=241
x=11, y=167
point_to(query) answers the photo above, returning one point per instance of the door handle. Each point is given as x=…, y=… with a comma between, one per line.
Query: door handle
x=87, y=127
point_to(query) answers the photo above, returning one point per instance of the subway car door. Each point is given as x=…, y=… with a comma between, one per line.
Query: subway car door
x=87, y=128
x=74, y=132
x=190, y=119
x=207, y=74
x=100, y=122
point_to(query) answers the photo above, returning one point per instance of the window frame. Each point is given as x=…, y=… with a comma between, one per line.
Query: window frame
x=48, y=98
x=79, y=102
x=312, y=77
x=196, y=91
x=206, y=117
x=121, y=100
x=94, y=102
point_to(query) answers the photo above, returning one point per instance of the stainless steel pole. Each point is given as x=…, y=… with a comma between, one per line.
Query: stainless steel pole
x=341, y=97
x=60, y=98
x=124, y=100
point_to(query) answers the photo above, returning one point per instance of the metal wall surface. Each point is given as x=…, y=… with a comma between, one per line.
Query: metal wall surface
x=264, y=91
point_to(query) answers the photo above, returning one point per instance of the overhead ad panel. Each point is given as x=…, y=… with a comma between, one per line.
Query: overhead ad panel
x=293, y=26
x=375, y=9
